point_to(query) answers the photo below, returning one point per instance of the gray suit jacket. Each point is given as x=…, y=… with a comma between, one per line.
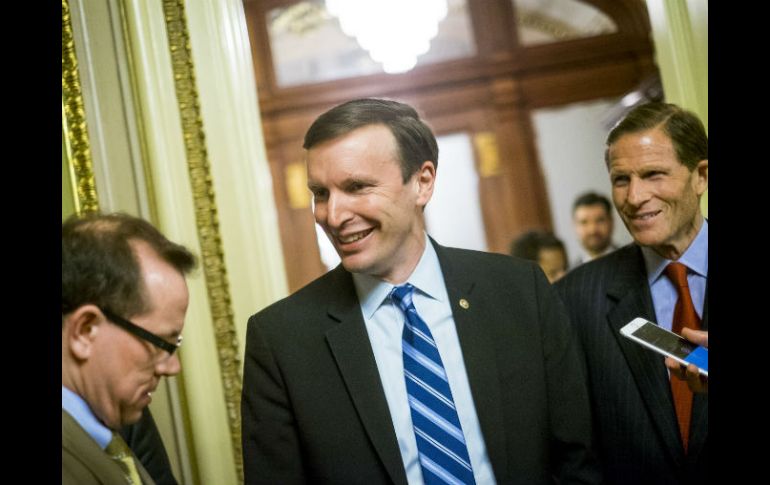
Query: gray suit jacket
x=83, y=462
x=634, y=419
x=314, y=410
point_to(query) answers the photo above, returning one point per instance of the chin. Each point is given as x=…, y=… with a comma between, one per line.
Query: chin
x=132, y=416
x=645, y=239
x=355, y=266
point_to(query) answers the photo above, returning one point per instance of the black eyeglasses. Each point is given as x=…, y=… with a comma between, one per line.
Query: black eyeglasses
x=142, y=333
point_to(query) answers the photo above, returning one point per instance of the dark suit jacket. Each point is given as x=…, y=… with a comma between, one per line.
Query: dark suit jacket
x=85, y=463
x=144, y=440
x=634, y=419
x=314, y=410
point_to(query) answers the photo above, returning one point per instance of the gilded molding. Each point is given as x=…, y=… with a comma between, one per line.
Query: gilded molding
x=488, y=153
x=206, y=219
x=74, y=121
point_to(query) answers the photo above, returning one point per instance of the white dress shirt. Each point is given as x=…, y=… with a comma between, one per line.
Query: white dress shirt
x=385, y=323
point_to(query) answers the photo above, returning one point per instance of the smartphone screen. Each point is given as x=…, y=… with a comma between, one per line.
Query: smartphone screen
x=673, y=344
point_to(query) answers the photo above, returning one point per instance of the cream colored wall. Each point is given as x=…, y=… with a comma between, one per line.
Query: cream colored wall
x=140, y=163
x=680, y=34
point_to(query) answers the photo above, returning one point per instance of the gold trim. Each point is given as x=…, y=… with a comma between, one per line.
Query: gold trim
x=488, y=154
x=206, y=219
x=74, y=126
x=295, y=176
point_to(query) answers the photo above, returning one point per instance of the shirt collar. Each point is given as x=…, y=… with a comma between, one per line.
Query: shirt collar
x=696, y=257
x=426, y=277
x=78, y=408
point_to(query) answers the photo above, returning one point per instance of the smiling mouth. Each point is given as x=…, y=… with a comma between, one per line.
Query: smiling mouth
x=351, y=238
x=644, y=217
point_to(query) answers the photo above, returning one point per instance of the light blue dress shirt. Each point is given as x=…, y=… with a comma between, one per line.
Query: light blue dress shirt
x=664, y=295
x=385, y=323
x=80, y=412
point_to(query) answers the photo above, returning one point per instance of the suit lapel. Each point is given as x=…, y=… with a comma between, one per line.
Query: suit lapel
x=478, y=350
x=84, y=449
x=352, y=350
x=630, y=298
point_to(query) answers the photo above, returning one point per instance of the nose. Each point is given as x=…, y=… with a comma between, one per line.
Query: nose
x=337, y=210
x=637, y=193
x=169, y=366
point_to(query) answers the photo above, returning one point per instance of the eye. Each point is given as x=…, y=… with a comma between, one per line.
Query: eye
x=619, y=180
x=654, y=175
x=357, y=186
x=320, y=194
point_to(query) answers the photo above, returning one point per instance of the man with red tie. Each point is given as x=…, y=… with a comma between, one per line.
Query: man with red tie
x=650, y=426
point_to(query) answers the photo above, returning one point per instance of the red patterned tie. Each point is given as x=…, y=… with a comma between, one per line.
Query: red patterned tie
x=684, y=316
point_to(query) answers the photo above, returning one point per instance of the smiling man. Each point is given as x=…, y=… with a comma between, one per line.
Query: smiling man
x=124, y=299
x=650, y=427
x=410, y=362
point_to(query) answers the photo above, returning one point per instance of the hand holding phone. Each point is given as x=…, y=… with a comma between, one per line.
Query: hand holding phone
x=697, y=382
x=666, y=343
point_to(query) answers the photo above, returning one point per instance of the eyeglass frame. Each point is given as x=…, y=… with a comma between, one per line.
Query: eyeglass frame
x=140, y=332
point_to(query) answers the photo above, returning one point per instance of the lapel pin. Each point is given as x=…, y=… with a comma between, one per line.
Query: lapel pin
x=464, y=303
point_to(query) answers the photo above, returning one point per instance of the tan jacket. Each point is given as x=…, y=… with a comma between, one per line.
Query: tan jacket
x=83, y=462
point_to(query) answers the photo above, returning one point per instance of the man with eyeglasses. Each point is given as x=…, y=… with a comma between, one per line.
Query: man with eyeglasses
x=124, y=299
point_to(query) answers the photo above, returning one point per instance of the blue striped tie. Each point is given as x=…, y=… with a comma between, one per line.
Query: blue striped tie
x=440, y=441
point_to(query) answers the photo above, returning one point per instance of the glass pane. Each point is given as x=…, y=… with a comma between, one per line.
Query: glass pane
x=308, y=45
x=547, y=21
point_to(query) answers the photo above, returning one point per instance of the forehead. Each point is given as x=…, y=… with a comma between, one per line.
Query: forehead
x=371, y=147
x=553, y=256
x=161, y=282
x=588, y=210
x=649, y=146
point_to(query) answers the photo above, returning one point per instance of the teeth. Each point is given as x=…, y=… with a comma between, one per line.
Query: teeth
x=644, y=217
x=149, y=394
x=353, y=237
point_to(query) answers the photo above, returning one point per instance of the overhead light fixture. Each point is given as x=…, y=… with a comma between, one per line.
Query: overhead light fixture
x=393, y=32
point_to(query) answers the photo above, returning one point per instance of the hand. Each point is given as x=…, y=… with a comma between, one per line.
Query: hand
x=697, y=382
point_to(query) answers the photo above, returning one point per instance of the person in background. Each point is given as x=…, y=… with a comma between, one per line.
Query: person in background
x=146, y=443
x=651, y=428
x=410, y=362
x=545, y=249
x=124, y=300
x=592, y=219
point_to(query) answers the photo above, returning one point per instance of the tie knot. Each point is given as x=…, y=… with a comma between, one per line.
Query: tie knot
x=117, y=447
x=677, y=273
x=403, y=295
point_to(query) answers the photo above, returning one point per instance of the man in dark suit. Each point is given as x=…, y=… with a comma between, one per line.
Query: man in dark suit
x=124, y=299
x=410, y=362
x=657, y=158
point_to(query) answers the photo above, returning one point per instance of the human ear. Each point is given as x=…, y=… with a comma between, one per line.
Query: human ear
x=702, y=174
x=425, y=178
x=79, y=330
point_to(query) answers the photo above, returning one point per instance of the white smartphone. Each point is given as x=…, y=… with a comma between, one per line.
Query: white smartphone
x=667, y=343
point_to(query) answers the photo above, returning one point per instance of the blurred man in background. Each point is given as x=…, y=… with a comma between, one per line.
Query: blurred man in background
x=592, y=218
